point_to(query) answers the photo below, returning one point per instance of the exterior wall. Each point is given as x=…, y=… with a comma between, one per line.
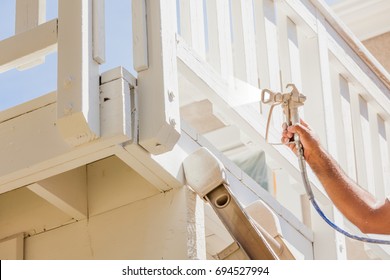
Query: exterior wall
x=128, y=218
x=379, y=46
x=154, y=228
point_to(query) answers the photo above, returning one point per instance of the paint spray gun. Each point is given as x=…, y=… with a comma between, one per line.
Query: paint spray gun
x=290, y=103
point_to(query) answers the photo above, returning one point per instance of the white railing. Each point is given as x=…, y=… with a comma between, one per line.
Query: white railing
x=236, y=48
x=227, y=51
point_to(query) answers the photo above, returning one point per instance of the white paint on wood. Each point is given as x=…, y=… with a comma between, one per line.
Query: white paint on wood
x=78, y=74
x=28, y=46
x=347, y=120
x=192, y=25
x=374, y=162
x=140, y=36
x=158, y=85
x=359, y=150
x=219, y=37
x=244, y=48
x=262, y=19
x=24, y=211
x=116, y=105
x=386, y=155
x=153, y=228
x=66, y=191
x=29, y=14
x=99, y=31
x=12, y=248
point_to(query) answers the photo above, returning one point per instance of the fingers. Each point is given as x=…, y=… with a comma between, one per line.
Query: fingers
x=286, y=135
x=302, y=122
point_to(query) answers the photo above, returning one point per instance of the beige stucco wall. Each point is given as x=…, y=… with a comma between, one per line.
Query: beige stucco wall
x=379, y=46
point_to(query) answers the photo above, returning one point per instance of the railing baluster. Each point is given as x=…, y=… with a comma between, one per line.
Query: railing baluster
x=386, y=155
x=29, y=14
x=347, y=120
x=192, y=25
x=374, y=162
x=244, y=48
x=361, y=171
x=219, y=37
x=266, y=47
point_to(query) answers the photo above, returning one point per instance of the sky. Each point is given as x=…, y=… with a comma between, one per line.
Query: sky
x=20, y=86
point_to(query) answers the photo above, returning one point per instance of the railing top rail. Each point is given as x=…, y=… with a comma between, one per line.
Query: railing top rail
x=353, y=41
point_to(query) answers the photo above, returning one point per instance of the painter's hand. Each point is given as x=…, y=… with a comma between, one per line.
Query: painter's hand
x=310, y=142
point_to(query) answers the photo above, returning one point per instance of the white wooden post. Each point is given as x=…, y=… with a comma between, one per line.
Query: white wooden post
x=12, y=247
x=262, y=39
x=361, y=171
x=219, y=37
x=347, y=120
x=244, y=47
x=159, y=117
x=373, y=155
x=316, y=85
x=99, y=31
x=192, y=25
x=386, y=155
x=78, y=74
x=140, y=35
x=29, y=14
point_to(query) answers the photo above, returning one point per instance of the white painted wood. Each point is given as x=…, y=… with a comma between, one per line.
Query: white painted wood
x=78, y=74
x=66, y=191
x=272, y=44
x=29, y=14
x=99, y=31
x=244, y=48
x=352, y=41
x=22, y=211
x=44, y=151
x=356, y=69
x=263, y=64
x=374, y=162
x=157, y=86
x=192, y=25
x=303, y=13
x=359, y=150
x=196, y=226
x=324, y=244
x=338, y=119
x=140, y=39
x=348, y=120
x=219, y=37
x=283, y=24
x=12, y=248
x=116, y=104
x=112, y=183
x=28, y=46
x=319, y=108
x=153, y=228
x=367, y=144
x=386, y=156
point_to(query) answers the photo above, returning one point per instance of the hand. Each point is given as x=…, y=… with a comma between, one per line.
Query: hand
x=310, y=142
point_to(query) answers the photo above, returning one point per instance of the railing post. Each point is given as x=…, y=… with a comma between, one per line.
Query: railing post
x=192, y=25
x=29, y=14
x=78, y=74
x=244, y=46
x=159, y=117
x=219, y=37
